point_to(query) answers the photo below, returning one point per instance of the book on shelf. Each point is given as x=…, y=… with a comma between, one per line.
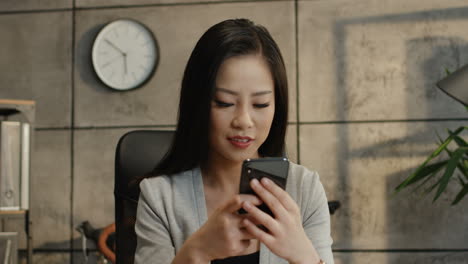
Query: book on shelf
x=25, y=165
x=14, y=165
x=8, y=247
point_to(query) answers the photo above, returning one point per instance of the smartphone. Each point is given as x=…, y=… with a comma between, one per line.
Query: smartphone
x=275, y=169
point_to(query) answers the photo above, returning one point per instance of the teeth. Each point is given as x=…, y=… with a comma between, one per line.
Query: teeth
x=240, y=140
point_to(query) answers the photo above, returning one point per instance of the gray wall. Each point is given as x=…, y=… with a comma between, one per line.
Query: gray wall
x=364, y=110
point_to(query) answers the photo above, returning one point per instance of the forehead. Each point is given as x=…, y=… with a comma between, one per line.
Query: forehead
x=246, y=72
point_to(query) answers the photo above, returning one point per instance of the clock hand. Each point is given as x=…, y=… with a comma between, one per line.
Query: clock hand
x=115, y=47
x=125, y=61
x=110, y=61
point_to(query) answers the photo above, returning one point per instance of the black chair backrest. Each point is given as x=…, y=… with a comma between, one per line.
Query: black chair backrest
x=138, y=152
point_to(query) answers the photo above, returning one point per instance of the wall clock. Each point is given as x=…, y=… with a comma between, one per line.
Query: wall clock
x=124, y=54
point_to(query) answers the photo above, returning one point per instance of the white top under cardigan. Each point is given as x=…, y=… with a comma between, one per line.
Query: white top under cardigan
x=171, y=208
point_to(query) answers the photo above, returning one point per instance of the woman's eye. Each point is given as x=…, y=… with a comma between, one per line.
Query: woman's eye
x=261, y=105
x=222, y=104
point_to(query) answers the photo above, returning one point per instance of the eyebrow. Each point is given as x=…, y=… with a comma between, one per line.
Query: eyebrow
x=224, y=90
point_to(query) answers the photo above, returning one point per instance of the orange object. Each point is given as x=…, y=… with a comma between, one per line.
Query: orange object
x=102, y=246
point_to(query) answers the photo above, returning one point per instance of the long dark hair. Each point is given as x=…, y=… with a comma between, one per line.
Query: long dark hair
x=226, y=39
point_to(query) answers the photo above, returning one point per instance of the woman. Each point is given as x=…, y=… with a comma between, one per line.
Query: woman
x=233, y=106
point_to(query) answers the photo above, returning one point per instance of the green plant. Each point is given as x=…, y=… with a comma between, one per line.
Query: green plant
x=456, y=160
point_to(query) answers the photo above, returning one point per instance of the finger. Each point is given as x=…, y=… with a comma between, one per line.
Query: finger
x=259, y=217
x=268, y=198
x=252, y=219
x=235, y=203
x=283, y=197
x=251, y=198
x=246, y=235
x=258, y=233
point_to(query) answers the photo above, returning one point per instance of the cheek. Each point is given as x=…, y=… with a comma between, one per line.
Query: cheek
x=267, y=118
x=218, y=119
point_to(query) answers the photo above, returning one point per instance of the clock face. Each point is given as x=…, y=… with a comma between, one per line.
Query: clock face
x=124, y=54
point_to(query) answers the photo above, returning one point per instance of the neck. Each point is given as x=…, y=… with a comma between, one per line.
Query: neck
x=222, y=176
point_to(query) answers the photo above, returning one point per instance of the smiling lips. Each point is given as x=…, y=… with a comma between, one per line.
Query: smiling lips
x=240, y=142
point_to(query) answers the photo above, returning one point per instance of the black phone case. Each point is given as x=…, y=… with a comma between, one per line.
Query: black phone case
x=275, y=169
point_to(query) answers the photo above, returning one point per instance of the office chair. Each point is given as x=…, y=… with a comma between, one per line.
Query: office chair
x=137, y=153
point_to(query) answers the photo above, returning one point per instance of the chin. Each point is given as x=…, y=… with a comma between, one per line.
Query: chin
x=247, y=156
x=239, y=157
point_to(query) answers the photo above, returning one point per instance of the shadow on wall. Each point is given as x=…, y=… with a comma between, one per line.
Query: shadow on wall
x=78, y=255
x=83, y=60
x=426, y=61
x=435, y=225
x=408, y=218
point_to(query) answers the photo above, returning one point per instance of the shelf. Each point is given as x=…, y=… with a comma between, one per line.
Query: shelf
x=16, y=102
x=15, y=212
x=10, y=107
x=22, y=111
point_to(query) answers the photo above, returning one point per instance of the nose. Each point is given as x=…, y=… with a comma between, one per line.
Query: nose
x=243, y=118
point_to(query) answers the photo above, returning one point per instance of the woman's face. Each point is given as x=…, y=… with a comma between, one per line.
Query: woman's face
x=242, y=109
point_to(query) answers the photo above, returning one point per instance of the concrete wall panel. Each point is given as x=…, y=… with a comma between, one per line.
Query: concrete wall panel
x=93, y=258
x=23, y=5
x=358, y=60
x=177, y=29
x=51, y=258
x=50, y=190
x=35, y=63
x=103, y=3
x=361, y=164
x=94, y=177
x=374, y=60
x=291, y=143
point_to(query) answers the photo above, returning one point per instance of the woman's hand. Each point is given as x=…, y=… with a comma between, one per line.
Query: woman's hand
x=285, y=235
x=223, y=235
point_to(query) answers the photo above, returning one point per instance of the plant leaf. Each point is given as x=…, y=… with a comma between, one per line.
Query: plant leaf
x=433, y=186
x=428, y=178
x=445, y=144
x=464, y=170
x=434, y=154
x=451, y=165
x=447, y=71
x=439, y=137
x=421, y=173
x=461, y=194
x=460, y=165
x=449, y=152
x=459, y=140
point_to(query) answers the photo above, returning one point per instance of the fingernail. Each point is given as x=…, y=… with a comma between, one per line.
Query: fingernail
x=254, y=182
x=266, y=181
x=247, y=205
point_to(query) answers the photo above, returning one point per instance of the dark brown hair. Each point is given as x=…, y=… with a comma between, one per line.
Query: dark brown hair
x=234, y=37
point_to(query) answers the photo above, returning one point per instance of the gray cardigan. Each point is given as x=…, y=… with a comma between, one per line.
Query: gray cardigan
x=171, y=208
